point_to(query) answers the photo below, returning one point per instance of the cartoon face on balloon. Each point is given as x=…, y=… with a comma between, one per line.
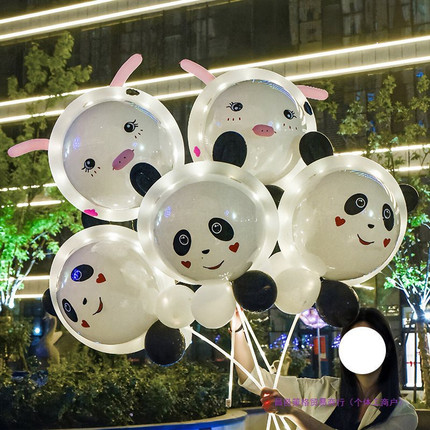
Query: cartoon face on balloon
x=213, y=221
x=251, y=118
x=109, y=146
x=103, y=290
x=346, y=211
x=104, y=142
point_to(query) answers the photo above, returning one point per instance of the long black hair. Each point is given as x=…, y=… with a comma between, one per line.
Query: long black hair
x=388, y=380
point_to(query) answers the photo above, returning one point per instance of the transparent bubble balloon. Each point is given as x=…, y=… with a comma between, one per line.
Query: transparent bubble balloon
x=252, y=118
x=103, y=289
x=98, y=141
x=207, y=222
x=346, y=214
x=362, y=350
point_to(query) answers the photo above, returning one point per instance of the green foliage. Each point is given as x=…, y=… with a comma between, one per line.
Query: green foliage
x=30, y=233
x=14, y=339
x=92, y=389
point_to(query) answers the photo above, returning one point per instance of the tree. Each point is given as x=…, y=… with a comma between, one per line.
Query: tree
x=384, y=124
x=30, y=233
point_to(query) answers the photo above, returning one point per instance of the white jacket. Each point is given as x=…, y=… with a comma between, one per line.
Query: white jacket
x=403, y=416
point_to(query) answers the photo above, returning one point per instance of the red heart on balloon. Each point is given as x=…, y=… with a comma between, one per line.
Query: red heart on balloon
x=386, y=242
x=187, y=264
x=339, y=221
x=101, y=278
x=234, y=248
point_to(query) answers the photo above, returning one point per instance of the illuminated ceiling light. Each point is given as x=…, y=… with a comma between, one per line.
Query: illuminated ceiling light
x=28, y=296
x=271, y=62
x=360, y=69
x=365, y=287
x=53, y=11
x=384, y=150
x=97, y=19
x=40, y=203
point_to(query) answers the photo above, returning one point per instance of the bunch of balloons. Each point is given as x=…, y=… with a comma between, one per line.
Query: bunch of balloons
x=117, y=154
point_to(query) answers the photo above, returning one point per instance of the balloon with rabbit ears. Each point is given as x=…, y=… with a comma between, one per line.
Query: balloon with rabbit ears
x=252, y=118
x=103, y=289
x=345, y=213
x=109, y=146
x=207, y=222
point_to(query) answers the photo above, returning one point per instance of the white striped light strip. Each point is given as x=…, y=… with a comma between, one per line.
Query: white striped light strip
x=365, y=287
x=28, y=296
x=384, y=150
x=182, y=94
x=40, y=203
x=30, y=278
x=271, y=62
x=191, y=93
x=53, y=11
x=97, y=19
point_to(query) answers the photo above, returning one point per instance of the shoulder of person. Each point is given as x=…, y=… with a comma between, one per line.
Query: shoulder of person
x=326, y=383
x=403, y=407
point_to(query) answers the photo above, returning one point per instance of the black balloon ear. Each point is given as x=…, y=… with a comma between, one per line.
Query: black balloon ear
x=164, y=345
x=313, y=146
x=47, y=303
x=89, y=221
x=337, y=303
x=411, y=196
x=276, y=193
x=143, y=176
x=230, y=147
x=255, y=291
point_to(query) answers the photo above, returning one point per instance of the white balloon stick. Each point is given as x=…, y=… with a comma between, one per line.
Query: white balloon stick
x=284, y=352
x=230, y=379
x=214, y=345
x=245, y=321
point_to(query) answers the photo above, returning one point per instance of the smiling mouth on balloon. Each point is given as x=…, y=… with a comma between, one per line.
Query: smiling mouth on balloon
x=214, y=267
x=363, y=242
x=100, y=308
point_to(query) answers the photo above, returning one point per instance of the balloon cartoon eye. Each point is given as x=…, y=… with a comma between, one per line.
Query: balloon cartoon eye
x=289, y=114
x=235, y=106
x=89, y=164
x=130, y=126
x=355, y=204
x=82, y=273
x=70, y=312
x=221, y=229
x=182, y=242
x=388, y=217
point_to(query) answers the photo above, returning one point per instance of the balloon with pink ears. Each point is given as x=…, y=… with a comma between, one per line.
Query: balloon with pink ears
x=109, y=146
x=252, y=118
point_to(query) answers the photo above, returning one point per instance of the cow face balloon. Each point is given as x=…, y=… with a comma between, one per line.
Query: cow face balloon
x=347, y=213
x=252, y=118
x=108, y=147
x=209, y=221
x=103, y=290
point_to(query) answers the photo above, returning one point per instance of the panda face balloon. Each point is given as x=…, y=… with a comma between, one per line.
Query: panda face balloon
x=210, y=221
x=100, y=138
x=346, y=211
x=103, y=289
x=251, y=118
